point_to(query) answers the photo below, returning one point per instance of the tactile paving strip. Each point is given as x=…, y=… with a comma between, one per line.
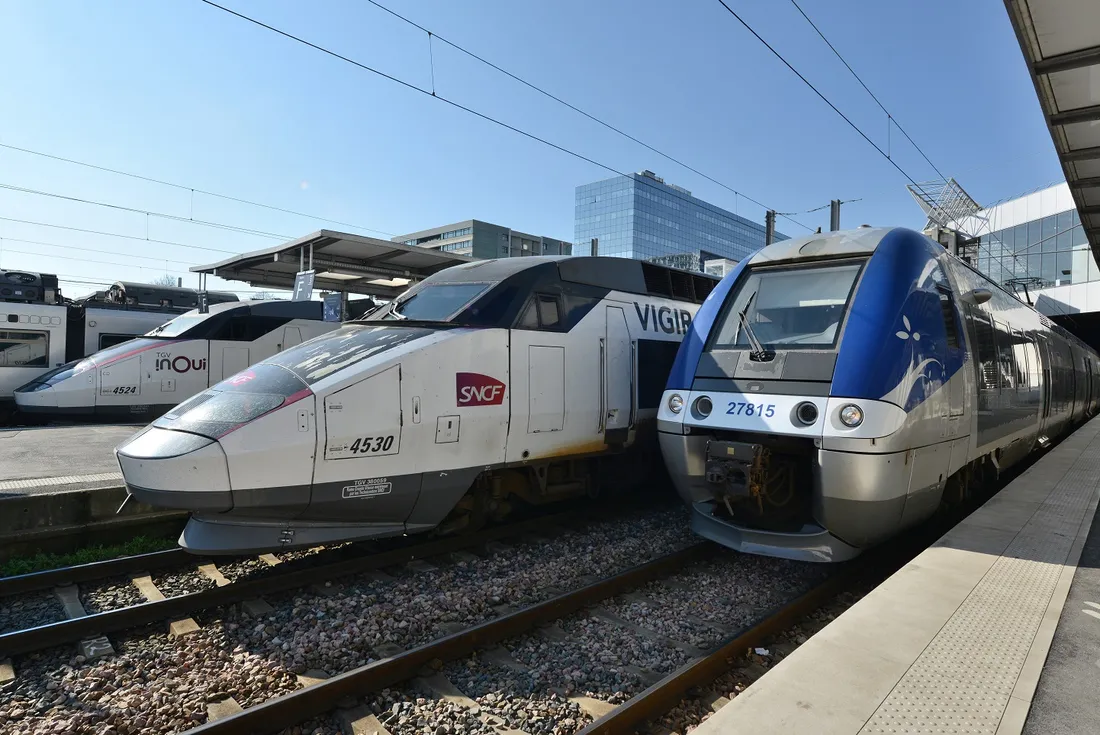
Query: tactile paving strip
x=961, y=683
x=66, y=480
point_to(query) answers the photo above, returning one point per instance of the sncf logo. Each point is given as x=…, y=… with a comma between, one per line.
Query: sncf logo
x=475, y=389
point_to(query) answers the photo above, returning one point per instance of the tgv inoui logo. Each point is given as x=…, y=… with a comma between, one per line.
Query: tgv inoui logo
x=475, y=389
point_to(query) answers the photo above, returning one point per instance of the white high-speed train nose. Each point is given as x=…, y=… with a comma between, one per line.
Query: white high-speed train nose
x=176, y=470
x=72, y=384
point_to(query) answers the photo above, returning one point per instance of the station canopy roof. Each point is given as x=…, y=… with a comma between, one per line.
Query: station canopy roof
x=1061, y=44
x=342, y=262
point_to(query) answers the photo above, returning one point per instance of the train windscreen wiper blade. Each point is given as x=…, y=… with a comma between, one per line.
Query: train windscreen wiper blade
x=758, y=352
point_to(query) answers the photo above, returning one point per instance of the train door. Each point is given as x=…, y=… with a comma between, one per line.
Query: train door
x=554, y=399
x=234, y=360
x=360, y=474
x=618, y=377
x=1044, y=388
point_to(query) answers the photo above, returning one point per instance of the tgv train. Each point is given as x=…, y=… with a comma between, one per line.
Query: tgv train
x=147, y=376
x=40, y=329
x=838, y=388
x=528, y=379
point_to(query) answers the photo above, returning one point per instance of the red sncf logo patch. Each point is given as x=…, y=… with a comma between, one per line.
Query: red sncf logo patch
x=475, y=389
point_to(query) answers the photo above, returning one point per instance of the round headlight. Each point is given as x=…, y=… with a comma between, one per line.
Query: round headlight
x=806, y=413
x=703, y=407
x=851, y=416
x=675, y=403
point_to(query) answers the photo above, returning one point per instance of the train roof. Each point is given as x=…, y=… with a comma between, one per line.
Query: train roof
x=259, y=307
x=862, y=241
x=610, y=273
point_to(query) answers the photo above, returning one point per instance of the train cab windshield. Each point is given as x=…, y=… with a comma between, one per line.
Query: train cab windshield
x=788, y=308
x=438, y=302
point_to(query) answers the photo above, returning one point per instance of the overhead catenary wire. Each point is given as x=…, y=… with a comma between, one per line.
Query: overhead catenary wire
x=146, y=212
x=890, y=117
x=116, y=234
x=192, y=189
x=5, y=238
x=816, y=91
x=429, y=93
x=432, y=34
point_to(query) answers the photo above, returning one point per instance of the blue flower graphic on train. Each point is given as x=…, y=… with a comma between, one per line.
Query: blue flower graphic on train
x=924, y=373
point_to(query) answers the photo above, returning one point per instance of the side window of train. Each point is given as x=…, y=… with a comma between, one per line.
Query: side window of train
x=248, y=328
x=986, y=348
x=24, y=348
x=1005, y=355
x=949, y=323
x=542, y=312
x=110, y=340
x=1020, y=357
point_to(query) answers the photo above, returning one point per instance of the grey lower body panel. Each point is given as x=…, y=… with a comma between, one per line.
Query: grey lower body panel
x=261, y=520
x=204, y=500
x=812, y=543
x=229, y=535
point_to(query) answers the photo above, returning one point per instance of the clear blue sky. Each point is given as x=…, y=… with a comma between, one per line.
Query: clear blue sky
x=184, y=92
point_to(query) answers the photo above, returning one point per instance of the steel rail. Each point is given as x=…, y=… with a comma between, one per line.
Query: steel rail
x=23, y=583
x=173, y=608
x=279, y=713
x=665, y=694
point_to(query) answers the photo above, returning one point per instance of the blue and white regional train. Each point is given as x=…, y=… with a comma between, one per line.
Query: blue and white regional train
x=838, y=388
x=520, y=380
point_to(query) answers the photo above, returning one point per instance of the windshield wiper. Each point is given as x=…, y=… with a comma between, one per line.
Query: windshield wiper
x=758, y=353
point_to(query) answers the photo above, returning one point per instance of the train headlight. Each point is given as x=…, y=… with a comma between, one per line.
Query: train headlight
x=702, y=407
x=806, y=413
x=675, y=403
x=851, y=415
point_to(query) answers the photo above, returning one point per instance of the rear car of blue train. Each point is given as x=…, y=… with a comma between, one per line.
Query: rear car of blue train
x=818, y=404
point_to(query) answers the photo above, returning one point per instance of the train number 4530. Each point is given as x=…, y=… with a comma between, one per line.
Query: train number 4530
x=371, y=445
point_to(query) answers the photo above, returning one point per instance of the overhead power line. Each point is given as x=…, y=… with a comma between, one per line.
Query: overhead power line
x=4, y=239
x=432, y=94
x=892, y=119
x=148, y=213
x=571, y=106
x=115, y=234
x=192, y=189
x=816, y=91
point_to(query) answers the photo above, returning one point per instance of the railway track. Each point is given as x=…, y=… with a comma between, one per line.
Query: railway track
x=424, y=667
x=643, y=621
x=345, y=704
x=273, y=581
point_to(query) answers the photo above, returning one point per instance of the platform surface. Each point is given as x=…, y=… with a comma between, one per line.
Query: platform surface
x=55, y=459
x=956, y=641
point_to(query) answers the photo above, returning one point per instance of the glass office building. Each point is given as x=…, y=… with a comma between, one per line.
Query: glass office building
x=640, y=216
x=1037, y=238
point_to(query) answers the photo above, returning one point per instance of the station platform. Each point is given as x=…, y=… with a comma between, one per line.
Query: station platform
x=957, y=641
x=59, y=458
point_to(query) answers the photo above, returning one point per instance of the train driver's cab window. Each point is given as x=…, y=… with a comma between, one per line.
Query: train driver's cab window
x=24, y=349
x=542, y=312
x=248, y=327
x=787, y=308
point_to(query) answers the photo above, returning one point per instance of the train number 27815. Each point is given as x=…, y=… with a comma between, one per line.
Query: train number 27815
x=372, y=445
x=737, y=408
